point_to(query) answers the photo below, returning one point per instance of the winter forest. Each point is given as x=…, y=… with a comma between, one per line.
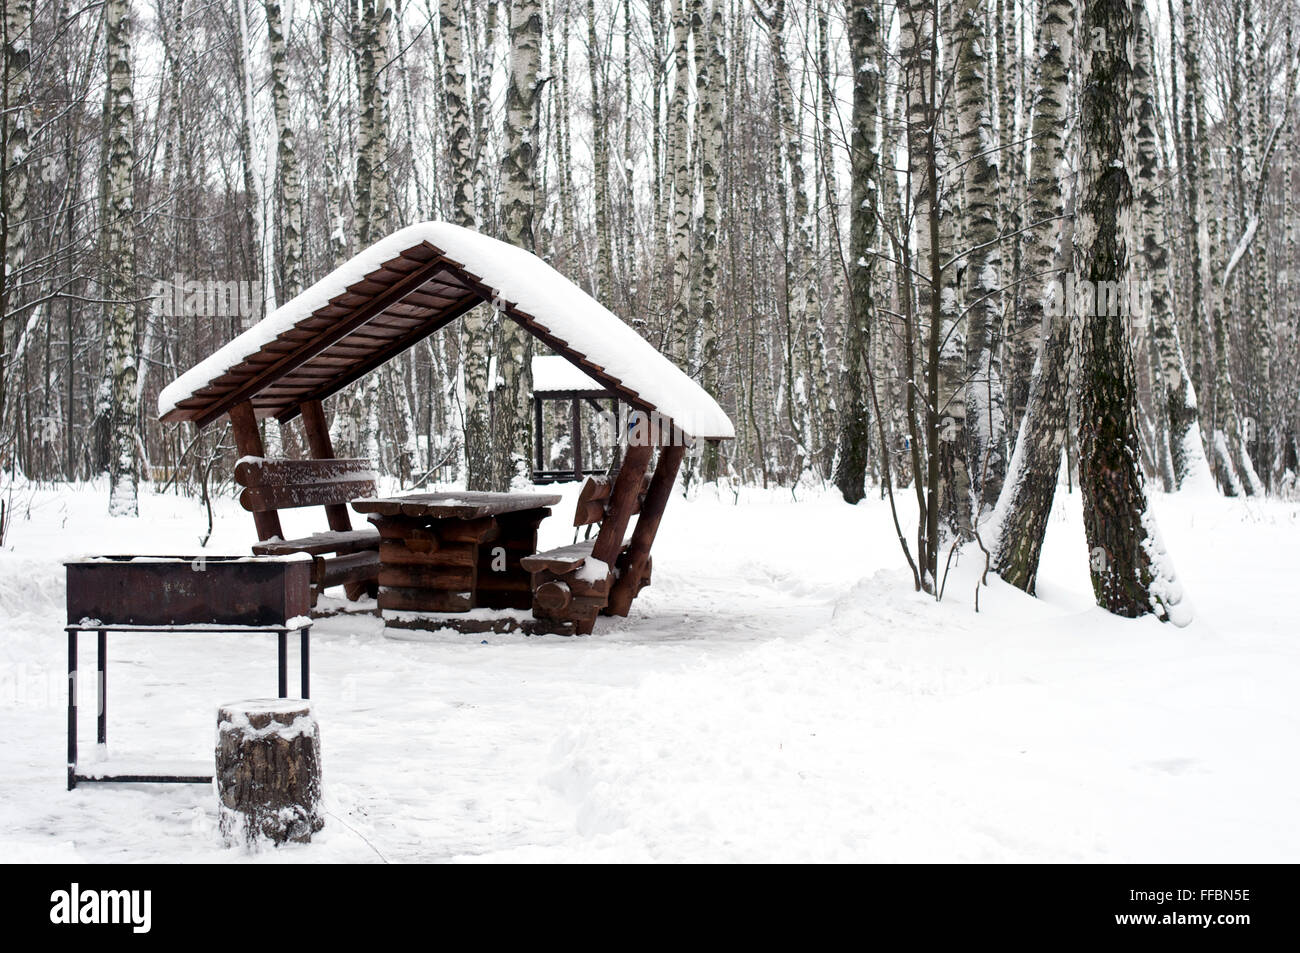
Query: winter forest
x=1000, y=297
x=878, y=233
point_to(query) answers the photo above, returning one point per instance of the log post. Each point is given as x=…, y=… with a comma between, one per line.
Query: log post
x=322, y=448
x=575, y=424
x=647, y=526
x=538, y=437
x=622, y=504
x=243, y=422
x=268, y=772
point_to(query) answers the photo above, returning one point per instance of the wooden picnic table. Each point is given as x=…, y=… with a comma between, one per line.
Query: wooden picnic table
x=454, y=552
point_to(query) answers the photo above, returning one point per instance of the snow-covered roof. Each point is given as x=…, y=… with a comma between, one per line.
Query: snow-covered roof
x=404, y=287
x=553, y=373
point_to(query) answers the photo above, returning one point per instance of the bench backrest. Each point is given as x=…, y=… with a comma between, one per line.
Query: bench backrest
x=593, y=499
x=285, y=484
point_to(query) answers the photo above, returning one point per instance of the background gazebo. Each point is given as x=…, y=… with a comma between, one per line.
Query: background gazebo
x=559, y=386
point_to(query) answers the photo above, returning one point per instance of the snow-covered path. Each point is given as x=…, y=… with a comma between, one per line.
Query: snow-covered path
x=778, y=693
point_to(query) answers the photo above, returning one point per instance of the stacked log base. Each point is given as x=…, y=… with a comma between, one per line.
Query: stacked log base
x=455, y=565
x=562, y=598
x=268, y=772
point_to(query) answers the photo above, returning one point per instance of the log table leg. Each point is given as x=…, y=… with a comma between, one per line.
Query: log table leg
x=501, y=582
x=431, y=565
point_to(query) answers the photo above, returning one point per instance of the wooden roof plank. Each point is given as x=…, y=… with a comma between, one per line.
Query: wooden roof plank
x=308, y=350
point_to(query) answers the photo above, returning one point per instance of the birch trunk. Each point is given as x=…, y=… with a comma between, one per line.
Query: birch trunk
x=824, y=387
x=711, y=68
x=119, y=247
x=683, y=188
x=659, y=78
x=1196, y=165
x=1131, y=573
x=379, y=192
x=476, y=423
x=363, y=186
x=14, y=229
x=986, y=406
x=336, y=222
x=290, y=192
x=1259, y=326
x=600, y=160
x=511, y=425
x=1027, y=494
x=252, y=200
x=855, y=382
x=1185, y=453
x=801, y=290
x=1290, y=286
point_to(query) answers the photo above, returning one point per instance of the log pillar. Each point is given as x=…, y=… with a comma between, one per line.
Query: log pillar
x=538, y=437
x=575, y=424
x=322, y=448
x=243, y=422
x=268, y=775
x=622, y=504
x=317, y=430
x=647, y=526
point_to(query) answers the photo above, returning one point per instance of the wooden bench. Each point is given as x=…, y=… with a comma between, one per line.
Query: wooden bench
x=343, y=556
x=569, y=586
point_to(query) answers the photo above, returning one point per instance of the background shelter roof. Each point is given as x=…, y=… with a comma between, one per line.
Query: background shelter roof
x=553, y=374
x=398, y=291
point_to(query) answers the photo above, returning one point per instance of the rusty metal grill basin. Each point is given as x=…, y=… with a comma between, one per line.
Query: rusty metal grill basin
x=188, y=590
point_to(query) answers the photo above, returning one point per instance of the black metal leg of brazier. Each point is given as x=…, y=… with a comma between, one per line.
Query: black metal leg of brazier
x=304, y=662
x=72, y=709
x=102, y=691
x=283, y=638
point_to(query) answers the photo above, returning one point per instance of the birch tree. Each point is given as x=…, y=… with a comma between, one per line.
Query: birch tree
x=369, y=109
x=1183, y=448
x=476, y=422
x=711, y=68
x=683, y=186
x=119, y=247
x=290, y=192
x=1027, y=494
x=600, y=153
x=510, y=424
x=855, y=379
x=1131, y=573
x=14, y=123
x=982, y=259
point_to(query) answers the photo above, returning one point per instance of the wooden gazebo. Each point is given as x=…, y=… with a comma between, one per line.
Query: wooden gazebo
x=383, y=301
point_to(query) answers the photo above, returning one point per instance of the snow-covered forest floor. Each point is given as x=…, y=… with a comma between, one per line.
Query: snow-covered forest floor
x=779, y=693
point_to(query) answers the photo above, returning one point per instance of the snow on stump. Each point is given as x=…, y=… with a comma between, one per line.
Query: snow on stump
x=268, y=772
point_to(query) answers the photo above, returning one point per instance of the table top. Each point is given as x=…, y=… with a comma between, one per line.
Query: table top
x=465, y=505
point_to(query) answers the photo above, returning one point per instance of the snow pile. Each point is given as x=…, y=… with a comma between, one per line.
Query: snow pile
x=517, y=276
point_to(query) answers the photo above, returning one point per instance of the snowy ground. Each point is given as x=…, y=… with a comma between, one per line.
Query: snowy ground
x=779, y=693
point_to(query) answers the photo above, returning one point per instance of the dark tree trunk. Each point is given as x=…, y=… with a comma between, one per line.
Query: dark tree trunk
x=854, y=435
x=1119, y=529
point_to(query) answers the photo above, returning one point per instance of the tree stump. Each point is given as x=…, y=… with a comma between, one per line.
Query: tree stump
x=268, y=772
